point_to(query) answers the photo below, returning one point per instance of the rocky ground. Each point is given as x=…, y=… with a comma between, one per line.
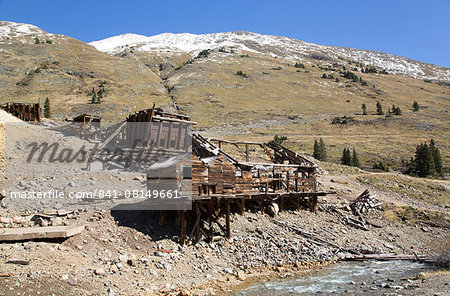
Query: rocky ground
x=127, y=253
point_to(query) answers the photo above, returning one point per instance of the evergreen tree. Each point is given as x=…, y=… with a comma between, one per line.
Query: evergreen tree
x=380, y=166
x=355, y=160
x=47, y=112
x=379, y=109
x=424, y=162
x=316, y=150
x=323, y=150
x=94, y=97
x=436, y=158
x=416, y=106
x=364, y=108
x=396, y=110
x=346, y=157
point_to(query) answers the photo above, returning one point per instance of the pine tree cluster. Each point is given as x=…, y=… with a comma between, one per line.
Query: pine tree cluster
x=320, y=152
x=427, y=161
x=349, y=158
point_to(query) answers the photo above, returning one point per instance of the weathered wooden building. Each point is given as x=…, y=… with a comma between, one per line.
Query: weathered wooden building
x=220, y=180
x=24, y=111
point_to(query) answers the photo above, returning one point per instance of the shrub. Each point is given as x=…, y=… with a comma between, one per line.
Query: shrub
x=278, y=140
x=364, y=108
x=416, y=106
x=343, y=120
x=299, y=65
x=380, y=166
x=240, y=73
x=203, y=54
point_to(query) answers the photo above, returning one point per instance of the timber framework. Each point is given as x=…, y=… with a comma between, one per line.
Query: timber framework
x=225, y=175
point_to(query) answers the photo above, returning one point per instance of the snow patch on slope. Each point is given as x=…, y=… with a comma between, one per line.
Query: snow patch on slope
x=12, y=30
x=276, y=46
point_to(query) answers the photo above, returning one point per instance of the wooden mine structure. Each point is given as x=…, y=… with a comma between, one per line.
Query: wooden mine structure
x=24, y=111
x=220, y=181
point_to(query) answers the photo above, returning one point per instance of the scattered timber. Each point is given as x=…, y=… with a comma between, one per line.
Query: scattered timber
x=387, y=257
x=30, y=233
x=18, y=261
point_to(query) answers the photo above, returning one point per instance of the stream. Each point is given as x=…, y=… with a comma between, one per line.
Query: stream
x=348, y=278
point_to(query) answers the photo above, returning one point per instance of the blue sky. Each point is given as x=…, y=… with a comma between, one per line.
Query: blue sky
x=415, y=29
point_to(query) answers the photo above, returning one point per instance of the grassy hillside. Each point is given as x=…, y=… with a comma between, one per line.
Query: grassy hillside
x=280, y=99
x=66, y=70
x=270, y=97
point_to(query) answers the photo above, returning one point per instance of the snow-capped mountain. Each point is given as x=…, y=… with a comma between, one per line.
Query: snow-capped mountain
x=282, y=47
x=12, y=30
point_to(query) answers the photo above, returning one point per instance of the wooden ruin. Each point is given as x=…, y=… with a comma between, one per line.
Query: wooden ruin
x=25, y=111
x=221, y=182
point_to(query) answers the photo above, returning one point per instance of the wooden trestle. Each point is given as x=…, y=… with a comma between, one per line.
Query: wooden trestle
x=220, y=182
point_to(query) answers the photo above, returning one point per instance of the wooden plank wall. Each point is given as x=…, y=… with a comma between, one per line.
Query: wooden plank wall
x=25, y=112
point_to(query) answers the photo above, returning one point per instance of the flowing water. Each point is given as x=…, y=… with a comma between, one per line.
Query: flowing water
x=350, y=278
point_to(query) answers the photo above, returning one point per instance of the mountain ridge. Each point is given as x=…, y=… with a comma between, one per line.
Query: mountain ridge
x=288, y=48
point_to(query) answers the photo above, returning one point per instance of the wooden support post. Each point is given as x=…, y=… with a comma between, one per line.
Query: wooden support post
x=242, y=206
x=210, y=221
x=169, y=136
x=281, y=203
x=161, y=217
x=158, y=135
x=197, y=223
x=180, y=128
x=299, y=204
x=183, y=227
x=262, y=204
x=315, y=204
x=220, y=145
x=246, y=153
x=228, y=224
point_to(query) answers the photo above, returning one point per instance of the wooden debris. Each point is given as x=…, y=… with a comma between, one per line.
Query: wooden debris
x=311, y=237
x=29, y=233
x=364, y=203
x=5, y=274
x=18, y=261
x=386, y=257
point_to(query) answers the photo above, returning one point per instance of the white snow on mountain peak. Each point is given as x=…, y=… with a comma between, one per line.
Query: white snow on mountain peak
x=11, y=30
x=283, y=47
x=290, y=49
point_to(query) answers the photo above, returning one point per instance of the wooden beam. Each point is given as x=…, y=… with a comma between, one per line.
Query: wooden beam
x=197, y=223
x=210, y=220
x=183, y=227
x=29, y=233
x=227, y=219
x=262, y=204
